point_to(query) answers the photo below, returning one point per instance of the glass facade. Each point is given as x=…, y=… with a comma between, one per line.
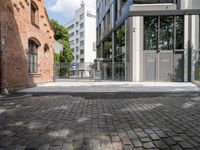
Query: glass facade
x=160, y=33
x=150, y=33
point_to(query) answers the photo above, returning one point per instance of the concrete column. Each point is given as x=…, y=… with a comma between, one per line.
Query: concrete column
x=194, y=44
x=137, y=48
x=186, y=42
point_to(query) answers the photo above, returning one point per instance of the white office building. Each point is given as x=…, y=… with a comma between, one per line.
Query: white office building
x=82, y=38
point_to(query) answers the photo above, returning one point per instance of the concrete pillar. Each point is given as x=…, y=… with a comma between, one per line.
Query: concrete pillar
x=137, y=49
x=194, y=44
x=186, y=42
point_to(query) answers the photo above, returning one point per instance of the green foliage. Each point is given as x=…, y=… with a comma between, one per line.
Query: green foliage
x=120, y=37
x=56, y=58
x=61, y=35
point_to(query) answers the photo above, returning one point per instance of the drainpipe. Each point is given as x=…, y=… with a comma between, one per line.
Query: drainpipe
x=189, y=47
x=1, y=42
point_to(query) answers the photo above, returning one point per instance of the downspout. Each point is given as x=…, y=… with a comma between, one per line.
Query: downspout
x=1, y=55
x=189, y=47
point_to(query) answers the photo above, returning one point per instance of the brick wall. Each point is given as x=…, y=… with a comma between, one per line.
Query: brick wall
x=17, y=29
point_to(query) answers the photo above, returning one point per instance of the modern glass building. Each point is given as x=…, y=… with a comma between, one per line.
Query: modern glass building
x=149, y=40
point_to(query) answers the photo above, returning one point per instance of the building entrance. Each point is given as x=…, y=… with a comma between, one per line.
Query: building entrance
x=163, y=48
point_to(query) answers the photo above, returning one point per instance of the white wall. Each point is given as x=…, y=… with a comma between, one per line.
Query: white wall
x=190, y=4
x=90, y=36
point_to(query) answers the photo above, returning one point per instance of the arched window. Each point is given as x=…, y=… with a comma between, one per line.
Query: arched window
x=34, y=14
x=46, y=51
x=33, y=56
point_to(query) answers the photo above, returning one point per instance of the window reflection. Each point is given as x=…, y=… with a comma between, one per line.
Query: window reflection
x=151, y=33
x=159, y=33
x=179, y=32
x=166, y=33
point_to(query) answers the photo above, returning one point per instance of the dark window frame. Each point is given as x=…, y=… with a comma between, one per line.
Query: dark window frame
x=34, y=14
x=32, y=57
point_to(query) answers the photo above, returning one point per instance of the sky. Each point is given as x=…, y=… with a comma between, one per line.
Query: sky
x=64, y=10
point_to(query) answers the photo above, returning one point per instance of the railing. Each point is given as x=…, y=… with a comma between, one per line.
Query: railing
x=97, y=71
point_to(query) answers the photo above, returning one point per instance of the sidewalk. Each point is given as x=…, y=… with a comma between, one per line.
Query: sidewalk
x=79, y=87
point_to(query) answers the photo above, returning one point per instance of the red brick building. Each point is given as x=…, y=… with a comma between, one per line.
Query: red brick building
x=26, y=44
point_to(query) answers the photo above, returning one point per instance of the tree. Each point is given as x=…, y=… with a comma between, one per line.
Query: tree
x=61, y=35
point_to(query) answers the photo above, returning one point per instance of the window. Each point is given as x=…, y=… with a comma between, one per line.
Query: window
x=71, y=42
x=166, y=41
x=81, y=43
x=33, y=57
x=164, y=33
x=82, y=60
x=82, y=51
x=81, y=16
x=151, y=33
x=76, y=41
x=71, y=27
x=34, y=14
x=77, y=57
x=77, y=23
x=81, y=25
x=81, y=34
x=76, y=32
x=71, y=35
x=89, y=14
x=46, y=51
x=179, y=32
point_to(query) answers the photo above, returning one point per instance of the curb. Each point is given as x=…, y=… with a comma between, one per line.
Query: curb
x=16, y=97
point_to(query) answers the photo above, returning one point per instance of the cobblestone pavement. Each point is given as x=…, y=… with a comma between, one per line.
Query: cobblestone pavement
x=112, y=121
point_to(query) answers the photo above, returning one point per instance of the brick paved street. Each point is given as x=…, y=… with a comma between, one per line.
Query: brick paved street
x=112, y=121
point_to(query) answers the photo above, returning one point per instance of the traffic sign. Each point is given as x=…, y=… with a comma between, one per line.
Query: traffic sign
x=74, y=65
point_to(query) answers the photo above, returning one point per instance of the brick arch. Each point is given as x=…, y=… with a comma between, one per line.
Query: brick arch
x=35, y=40
x=34, y=4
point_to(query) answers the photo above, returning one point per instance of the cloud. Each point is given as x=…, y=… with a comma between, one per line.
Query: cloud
x=68, y=7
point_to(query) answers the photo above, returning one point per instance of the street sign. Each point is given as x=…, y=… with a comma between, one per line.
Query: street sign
x=74, y=65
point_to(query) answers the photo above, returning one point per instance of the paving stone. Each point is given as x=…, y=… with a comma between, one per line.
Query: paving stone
x=54, y=148
x=130, y=120
x=126, y=141
x=137, y=143
x=67, y=146
x=117, y=146
x=126, y=147
x=177, y=139
x=154, y=136
x=115, y=139
x=57, y=143
x=142, y=134
x=160, y=144
x=44, y=147
x=176, y=148
x=185, y=145
x=149, y=145
x=169, y=141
